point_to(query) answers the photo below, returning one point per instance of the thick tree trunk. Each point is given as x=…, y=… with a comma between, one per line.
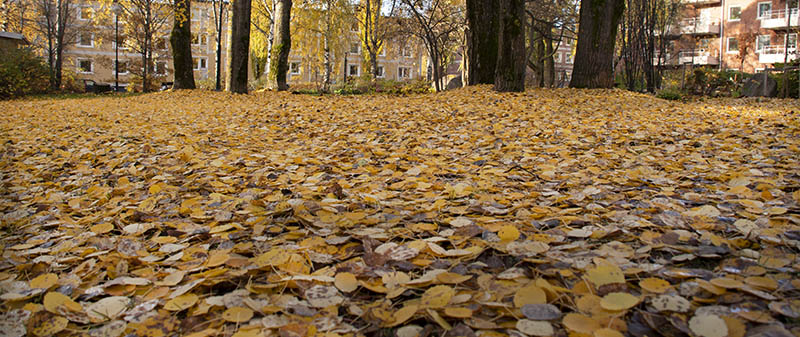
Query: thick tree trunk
x=181, y=41
x=238, y=57
x=483, y=21
x=549, y=64
x=59, y=66
x=597, y=35
x=510, y=71
x=279, y=64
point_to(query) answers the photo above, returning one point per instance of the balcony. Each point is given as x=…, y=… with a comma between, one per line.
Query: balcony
x=701, y=2
x=777, y=19
x=699, y=26
x=664, y=59
x=775, y=54
x=700, y=57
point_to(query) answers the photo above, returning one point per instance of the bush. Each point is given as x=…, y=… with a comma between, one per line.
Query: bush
x=792, y=77
x=671, y=93
x=364, y=85
x=22, y=73
x=711, y=82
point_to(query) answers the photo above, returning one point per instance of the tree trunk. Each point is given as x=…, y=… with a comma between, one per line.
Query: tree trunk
x=510, y=70
x=238, y=57
x=549, y=64
x=181, y=41
x=597, y=35
x=279, y=64
x=483, y=21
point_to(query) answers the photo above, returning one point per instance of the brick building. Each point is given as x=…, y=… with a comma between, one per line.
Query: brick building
x=712, y=32
x=93, y=54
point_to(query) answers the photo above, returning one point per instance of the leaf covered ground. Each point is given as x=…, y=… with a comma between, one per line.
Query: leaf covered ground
x=553, y=212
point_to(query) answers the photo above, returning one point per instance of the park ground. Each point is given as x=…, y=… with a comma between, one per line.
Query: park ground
x=461, y=213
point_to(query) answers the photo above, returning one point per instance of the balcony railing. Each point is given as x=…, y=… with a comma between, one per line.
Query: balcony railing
x=699, y=26
x=701, y=2
x=776, y=19
x=698, y=57
x=776, y=54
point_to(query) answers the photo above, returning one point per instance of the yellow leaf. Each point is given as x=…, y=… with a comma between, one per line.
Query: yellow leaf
x=508, y=233
x=346, y=282
x=619, y=301
x=53, y=300
x=529, y=294
x=271, y=258
x=402, y=315
x=458, y=312
x=708, y=326
x=44, y=281
x=51, y=326
x=102, y=228
x=605, y=274
x=580, y=323
x=437, y=297
x=655, y=285
x=237, y=315
x=181, y=302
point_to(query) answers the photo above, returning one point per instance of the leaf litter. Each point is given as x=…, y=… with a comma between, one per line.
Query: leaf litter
x=601, y=213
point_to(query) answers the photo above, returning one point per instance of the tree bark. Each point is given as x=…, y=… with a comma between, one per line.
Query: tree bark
x=181, y=41
x=483, y=22
x=597, y=36
x=279, y=64
x=510, y=69
x=239, y=53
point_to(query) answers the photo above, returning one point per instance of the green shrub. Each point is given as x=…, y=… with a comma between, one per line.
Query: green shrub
x=22, y=73
x=671, y=93
x=712, y=82
x=791, y=77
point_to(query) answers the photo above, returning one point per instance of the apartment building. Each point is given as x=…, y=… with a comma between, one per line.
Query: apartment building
x=95, y=52
x=712, y=33
x=399, y=60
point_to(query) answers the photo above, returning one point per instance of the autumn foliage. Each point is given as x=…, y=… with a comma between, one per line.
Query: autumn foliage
x=599, y=213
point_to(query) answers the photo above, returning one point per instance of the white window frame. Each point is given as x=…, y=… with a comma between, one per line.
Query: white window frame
x=202, y=40
x=557, y=57
x=196, y=18
x=78, y=65
x=80, y=13
x=80, y=40
x=196, y=63
x=383, y=71
x=350, y=68
x=568, y=59
x=758, y=50
x=114, y=67
x=166, y=64
x=406, y=49
x=122, y=47
x=786, y=36
x=400, y=72
x=758, y=9
x=295, y=71
x=351, y=48
x=728, y=45
x=730, y=11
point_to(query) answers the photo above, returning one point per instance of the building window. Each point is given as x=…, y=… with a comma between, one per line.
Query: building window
x=557, y=58
x=733, y=45
x=568, y=58
x=406, y=51
x=734, y=13
x=294, y=68
x=86, y=40
x=403, y=72
x=85, y=13
x=121, y=42
x=123, y=67
x=354, y=27
x=199, y=63
x=380, y=72
x=764, y=9
x=85, y=66
x=792, y=43
x=353, y=70
x=382, y=52
x=199, y=39
x=161, y=68
x=355, y=48
x=762, y=41
x=160, y=43
x=196, y=14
